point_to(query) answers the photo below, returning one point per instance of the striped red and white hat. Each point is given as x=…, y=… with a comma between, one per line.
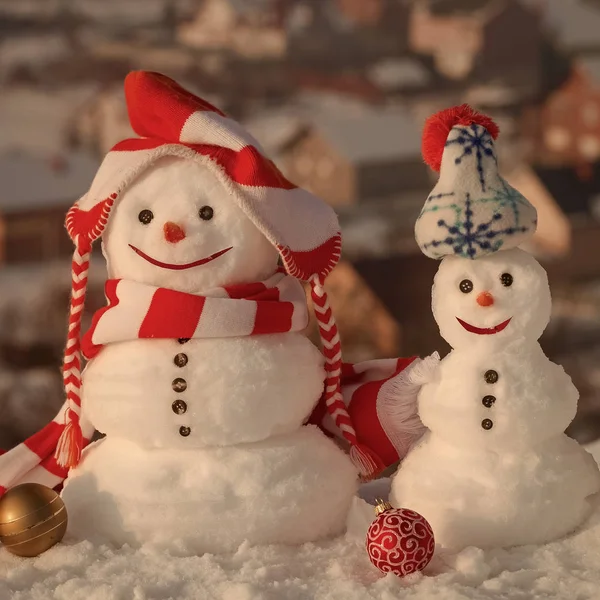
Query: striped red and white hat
x=173, y=122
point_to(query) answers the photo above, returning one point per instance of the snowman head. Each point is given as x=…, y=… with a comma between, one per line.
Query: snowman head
x=176, y=226
x=493, y=301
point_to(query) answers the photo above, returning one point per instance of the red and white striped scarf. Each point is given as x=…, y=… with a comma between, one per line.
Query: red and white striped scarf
x=139, y=311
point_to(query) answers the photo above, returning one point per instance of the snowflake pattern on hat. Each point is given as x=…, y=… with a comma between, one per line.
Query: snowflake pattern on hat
x=472, y=211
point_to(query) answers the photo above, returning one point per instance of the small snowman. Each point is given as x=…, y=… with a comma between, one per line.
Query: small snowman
x=199, y=373
x=495, y=468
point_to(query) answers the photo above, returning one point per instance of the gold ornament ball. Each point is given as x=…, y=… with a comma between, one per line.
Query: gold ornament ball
x=32, y=519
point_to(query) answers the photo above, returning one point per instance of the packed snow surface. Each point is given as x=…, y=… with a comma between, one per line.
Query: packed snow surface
x=333, y=570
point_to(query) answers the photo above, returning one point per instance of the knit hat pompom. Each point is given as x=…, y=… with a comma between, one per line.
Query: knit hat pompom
x=438, y=126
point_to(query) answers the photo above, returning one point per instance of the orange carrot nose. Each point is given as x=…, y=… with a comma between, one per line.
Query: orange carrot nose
x=173, y=233
x=485, y=299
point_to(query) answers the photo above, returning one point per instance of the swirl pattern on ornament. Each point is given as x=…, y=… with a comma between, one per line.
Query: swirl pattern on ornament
x=400, y=541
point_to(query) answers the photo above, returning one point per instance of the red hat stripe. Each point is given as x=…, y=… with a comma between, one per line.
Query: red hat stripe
x=159, y=107
x=247, y=167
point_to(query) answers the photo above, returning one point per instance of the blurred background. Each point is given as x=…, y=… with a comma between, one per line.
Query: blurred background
x=337, y=91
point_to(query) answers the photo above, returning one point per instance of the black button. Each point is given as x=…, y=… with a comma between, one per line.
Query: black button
x=179, y=407
x=184, y=431
x=181, y=359
x=179, y=384
x=487, y=401
x=491, y=376
x=487, y=424
x=184, y=340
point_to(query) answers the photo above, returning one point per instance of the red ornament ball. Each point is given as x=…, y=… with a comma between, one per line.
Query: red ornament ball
x=399, y=540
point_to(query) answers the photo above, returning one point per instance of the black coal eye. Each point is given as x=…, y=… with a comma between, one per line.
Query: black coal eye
x=206, y=213
x=145, y=216
x=506, y=279
x=466, y=286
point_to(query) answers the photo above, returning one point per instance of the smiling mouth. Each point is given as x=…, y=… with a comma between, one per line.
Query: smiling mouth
x=483, y=330
x=175, y=267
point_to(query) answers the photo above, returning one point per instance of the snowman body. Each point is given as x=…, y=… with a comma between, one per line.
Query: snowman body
x=206, y=444
x=492, y=499
x=526, y=397
x=226, y=391
x=495, y=468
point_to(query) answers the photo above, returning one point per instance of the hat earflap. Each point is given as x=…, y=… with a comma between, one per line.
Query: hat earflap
x=71, y=441
x=364, y=459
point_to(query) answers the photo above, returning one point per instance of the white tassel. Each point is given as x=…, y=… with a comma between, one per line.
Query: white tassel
x=397, y=404
x=423, y=371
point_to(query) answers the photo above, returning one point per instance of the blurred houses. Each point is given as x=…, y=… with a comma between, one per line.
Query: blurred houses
x=34, y=198
x=351, y=156
x=336, y=91
x=251, y=30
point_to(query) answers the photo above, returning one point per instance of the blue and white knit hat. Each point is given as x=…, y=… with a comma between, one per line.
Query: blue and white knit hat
x=472, y=211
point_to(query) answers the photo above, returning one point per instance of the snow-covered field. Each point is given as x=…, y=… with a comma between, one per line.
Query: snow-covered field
x=334, y=570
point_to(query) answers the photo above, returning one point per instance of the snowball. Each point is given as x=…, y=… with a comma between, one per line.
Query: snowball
x=174, y=190
x=288, y=489
x=526, y=302
x=493, y=499
x=238, y=389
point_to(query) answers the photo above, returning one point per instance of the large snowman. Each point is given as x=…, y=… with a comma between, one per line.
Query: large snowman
x=495, y=468
x=199, y=373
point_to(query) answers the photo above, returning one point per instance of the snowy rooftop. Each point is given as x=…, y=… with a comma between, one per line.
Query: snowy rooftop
x=398, y=73
x=306, y=13
x=31, y=182
x=448, y=7
x=382, y=227
x=31, y=8
x=372, y=135
x=359, y=132
x=247, y=6
x=275, y=128
x=32, y=50
x=36, y=120
x=131, y=13
x=576, y=22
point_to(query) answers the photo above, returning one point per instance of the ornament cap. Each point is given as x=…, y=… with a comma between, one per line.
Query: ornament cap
x=382, y=506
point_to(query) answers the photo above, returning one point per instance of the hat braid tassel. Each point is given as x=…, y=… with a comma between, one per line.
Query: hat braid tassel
x=366, y=461
x=70, y=443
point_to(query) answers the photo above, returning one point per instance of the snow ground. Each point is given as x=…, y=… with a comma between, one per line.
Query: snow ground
x=336, y=570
